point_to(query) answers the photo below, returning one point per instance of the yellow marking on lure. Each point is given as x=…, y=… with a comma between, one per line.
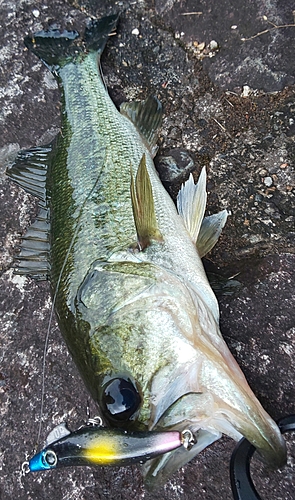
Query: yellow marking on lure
x=102, y=451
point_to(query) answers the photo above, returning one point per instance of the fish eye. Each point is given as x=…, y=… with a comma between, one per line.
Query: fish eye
x=49, y=458
x=120, y=399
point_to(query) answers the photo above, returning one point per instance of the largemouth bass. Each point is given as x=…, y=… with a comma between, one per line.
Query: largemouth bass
x=131, y=296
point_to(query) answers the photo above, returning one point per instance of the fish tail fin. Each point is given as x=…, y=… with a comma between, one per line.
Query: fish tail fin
x=97, y=32
x=57, y=48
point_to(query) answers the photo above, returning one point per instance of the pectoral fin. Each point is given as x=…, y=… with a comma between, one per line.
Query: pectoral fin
x=143, y=207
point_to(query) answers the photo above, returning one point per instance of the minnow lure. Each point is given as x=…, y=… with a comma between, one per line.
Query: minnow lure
x=104, y=447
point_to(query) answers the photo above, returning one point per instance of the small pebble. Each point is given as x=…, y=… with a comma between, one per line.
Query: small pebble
x=213, y=45
x=263, y=172
x=246, y=91
x=201, y=46
x=36, y=13
x=135, y=32
x=233, y=27
x=268, y=181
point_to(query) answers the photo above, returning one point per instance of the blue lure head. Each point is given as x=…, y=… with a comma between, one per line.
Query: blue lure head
x=44, y=460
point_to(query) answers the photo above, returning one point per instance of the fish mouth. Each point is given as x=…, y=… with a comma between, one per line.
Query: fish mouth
x=208, y=417
x=208, y=394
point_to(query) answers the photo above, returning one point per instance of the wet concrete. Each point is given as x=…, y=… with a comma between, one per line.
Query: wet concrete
x=245, y=137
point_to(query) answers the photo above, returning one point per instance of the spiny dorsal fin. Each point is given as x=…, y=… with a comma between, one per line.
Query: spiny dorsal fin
x=143, y=207
x=191, y=204
x=210, y=231
x=147, y=118
x=29, y=170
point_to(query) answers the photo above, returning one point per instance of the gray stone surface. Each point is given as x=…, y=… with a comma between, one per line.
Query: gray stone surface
x=254, y=39
x=247, y=144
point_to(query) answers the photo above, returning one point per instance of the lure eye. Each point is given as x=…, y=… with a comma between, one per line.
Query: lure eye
x=120, y=399
x=49, y=458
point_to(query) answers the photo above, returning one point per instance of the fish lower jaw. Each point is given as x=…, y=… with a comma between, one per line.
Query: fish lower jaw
x=260, y=430
x=272, y=449
x=207, y=418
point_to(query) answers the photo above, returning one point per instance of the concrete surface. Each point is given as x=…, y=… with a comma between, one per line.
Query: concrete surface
x=231, y=109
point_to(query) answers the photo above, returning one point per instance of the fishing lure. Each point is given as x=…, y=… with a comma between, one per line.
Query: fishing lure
x=93, y=445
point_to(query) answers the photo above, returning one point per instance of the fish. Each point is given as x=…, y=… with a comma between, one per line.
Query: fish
x=131, y=296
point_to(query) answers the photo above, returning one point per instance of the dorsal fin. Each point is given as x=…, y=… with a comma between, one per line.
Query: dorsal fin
x=147, y=118
x=143, y=207
x=29, y=171
x=210, y=231
x=191, y=204
x=33, y=259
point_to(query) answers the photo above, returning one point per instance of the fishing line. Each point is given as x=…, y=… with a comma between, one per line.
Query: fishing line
x=47, y=337
x=102, y=76
x=52, y=310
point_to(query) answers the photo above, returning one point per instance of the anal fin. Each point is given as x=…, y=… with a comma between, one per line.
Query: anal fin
x=147, y=118
x=143, y=207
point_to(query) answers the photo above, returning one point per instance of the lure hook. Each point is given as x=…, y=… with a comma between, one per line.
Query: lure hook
x=188, y=439
x=95, y=421
x=25, y=468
